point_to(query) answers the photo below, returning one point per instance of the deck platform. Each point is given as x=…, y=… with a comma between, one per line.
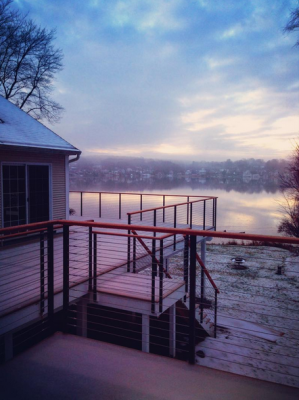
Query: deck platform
x=20, y=268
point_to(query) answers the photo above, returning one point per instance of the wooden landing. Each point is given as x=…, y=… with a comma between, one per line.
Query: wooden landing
x=137, y=286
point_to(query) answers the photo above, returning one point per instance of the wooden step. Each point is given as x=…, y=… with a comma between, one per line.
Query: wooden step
x=136, y=286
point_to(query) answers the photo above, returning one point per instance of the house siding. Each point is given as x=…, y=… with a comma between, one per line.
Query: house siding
x=58, y=183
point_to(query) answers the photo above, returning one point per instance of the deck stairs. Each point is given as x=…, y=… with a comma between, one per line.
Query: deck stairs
x=207, y=324
x=204, y=316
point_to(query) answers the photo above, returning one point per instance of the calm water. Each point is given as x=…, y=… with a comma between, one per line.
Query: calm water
x=251, y=210
x=242, y=212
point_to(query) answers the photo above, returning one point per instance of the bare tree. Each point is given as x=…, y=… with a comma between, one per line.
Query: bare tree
x=290, y=186
x=293, y=23
x=289, y=224
x=28, y=64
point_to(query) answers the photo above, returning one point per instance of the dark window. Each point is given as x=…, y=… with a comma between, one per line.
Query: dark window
x=38, y=185
x=14, y=195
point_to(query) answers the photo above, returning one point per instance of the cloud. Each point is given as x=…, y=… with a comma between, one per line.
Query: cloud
x=257, y=121
x=147, y=15
x=175, y=79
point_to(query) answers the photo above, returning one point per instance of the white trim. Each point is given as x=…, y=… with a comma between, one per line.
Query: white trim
x=67, y=188
x=25, y=164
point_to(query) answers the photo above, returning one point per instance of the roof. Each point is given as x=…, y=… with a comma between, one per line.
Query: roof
x=19, y=129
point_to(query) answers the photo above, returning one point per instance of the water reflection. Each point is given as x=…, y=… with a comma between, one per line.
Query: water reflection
x=250, y=212
x=250, y=208
x=165, y=184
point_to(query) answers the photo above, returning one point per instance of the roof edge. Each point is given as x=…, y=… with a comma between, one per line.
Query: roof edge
x=21, y=147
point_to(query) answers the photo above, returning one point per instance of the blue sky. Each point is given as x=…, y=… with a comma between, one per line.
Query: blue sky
x=175, y=79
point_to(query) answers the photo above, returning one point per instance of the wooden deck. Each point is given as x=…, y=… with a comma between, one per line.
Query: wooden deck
x=20, y=275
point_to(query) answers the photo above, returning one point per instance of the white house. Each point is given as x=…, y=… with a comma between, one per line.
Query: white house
x=34, y=169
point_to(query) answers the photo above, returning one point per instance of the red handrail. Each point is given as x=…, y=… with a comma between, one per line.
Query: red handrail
x=170, y=205
x=144, y=228
x=204, y=268
x=150, y=253
x=29, y=232
x=132, y=236
x=206, y=272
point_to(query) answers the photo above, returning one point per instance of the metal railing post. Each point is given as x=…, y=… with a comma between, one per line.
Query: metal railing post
x=119, y=206
x=188, y=198
x=161, y=277
x=141, y=207
x=214, y=212
x=191, y=212
x=42, y=272
x=204, y=214
x=202, y=288
x=134, y=255
x=81, y=204
x=50, y=277
x=90, y=258
x=154, y=274
x=215, y=316
x=163, y=208
x=202, y=278
x=155, y=220
x=129, y=246
x=192, y=293
x=95, y=255
x=215, y=224
x=66, y=261
x=174, y=225
x=186, y=264
x=100, y=205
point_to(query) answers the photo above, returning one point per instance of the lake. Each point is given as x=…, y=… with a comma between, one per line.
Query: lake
x=248, y=208
x=242, y=212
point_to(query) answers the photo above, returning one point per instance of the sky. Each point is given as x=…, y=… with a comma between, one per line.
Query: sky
x=175, y=79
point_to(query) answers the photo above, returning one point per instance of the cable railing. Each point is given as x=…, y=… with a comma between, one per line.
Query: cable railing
x=193, y=215
x=230, y=307
x=112, y=205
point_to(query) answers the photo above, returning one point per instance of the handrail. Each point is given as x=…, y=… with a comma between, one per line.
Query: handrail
x=150, y=253
x=204, y=268
x=144, y=194
x=163, y=207
x=28, y=232
x=206, y=272
x=133, y=236
x=166, y=230
x=35, y=225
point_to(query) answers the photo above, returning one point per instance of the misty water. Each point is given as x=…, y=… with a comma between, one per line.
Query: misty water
x=243, y=212
x=247, y=207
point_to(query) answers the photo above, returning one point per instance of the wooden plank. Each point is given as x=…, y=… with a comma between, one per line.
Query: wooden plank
x=137, y=286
